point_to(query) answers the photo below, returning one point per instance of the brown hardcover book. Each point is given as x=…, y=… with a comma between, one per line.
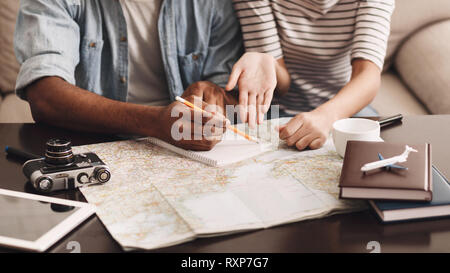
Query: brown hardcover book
x=414, y=183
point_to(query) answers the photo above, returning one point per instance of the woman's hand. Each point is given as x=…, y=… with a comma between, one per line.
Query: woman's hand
x=308, y=129
x=256, y=76
x=311, y=129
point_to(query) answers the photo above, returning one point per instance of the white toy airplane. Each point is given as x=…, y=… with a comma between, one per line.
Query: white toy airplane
x=389, y=163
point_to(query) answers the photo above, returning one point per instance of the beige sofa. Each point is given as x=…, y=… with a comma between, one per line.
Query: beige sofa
x=417, y=76
x=12, y=109
x=416, y=80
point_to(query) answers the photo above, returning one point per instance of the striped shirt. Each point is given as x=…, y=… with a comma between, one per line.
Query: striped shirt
x=317, y=39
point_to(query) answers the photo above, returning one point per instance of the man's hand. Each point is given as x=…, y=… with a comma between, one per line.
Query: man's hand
x=191, y=129
x=309, y=129
x=215, y=96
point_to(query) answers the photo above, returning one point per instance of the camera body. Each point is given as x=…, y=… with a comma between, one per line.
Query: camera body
x=62, y=170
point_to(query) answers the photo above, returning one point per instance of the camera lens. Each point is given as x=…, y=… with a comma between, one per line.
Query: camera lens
x=59, y=152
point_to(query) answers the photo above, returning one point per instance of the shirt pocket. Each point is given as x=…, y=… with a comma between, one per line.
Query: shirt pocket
x=191, y=67
x=90, y=64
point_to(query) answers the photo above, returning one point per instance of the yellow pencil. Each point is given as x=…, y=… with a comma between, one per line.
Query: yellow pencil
x=230, y=127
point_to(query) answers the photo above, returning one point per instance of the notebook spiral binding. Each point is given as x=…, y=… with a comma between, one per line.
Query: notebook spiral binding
x=181, y=151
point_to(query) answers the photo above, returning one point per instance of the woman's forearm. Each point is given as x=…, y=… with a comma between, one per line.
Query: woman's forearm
x=356, y=94
x=283, y=77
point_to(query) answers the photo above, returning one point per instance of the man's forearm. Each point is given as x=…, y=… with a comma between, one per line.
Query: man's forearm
x=56, y=102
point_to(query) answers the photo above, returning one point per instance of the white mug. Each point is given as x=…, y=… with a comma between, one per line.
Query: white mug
x=354, y=129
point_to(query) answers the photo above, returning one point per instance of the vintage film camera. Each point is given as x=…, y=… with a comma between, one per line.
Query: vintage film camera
x=62, y=170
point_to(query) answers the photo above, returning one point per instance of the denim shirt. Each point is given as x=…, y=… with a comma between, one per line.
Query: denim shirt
x=84, y=42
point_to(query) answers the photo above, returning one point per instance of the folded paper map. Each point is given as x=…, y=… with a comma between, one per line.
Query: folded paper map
x=157, y=198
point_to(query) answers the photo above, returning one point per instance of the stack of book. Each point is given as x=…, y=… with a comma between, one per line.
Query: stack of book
x=402, y=191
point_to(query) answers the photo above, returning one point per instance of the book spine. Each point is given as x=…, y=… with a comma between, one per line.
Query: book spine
x=429, y=173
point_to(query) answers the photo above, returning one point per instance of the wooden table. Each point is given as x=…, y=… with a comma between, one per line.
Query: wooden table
x=340, y=233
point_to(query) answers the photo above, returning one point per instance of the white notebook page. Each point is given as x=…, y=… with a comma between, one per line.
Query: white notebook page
x=233, y=148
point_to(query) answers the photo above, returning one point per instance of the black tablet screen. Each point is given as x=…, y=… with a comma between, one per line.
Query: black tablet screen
x=27, y=219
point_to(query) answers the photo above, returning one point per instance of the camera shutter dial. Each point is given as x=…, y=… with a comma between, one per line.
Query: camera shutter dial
x=102, y=174
x=83, y=178
x=44, y=184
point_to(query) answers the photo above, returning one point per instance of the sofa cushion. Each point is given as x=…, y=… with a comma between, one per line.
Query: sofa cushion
x=423, y=63
x=395, y=98
x=15, y=110
x=411, y=15
x=9, y=67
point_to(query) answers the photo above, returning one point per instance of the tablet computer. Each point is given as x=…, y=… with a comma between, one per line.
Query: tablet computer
x=34, y=222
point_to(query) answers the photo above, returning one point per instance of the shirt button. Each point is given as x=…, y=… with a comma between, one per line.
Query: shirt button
x=123, y=39
x=123, y=80
x=92, y=45
x=195, y=57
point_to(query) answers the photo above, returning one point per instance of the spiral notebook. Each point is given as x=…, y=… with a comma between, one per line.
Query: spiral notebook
x=232, y=149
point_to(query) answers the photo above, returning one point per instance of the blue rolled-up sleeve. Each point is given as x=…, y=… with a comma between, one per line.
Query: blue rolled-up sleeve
x=46, y=41
x=226, y=46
